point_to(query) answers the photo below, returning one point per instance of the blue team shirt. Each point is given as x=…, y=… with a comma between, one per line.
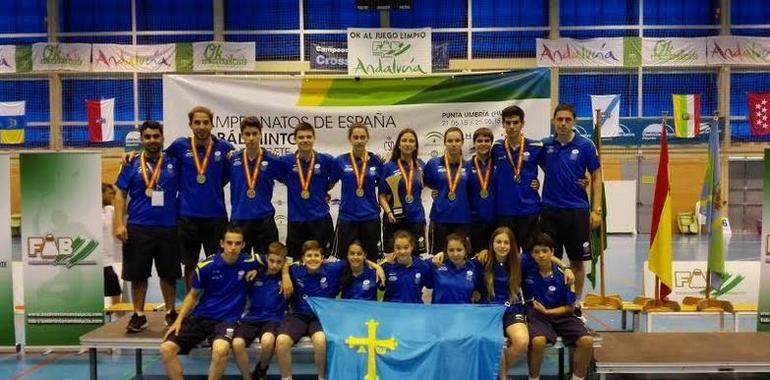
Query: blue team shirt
x=266, y=303
x=564, y=166
x=482, y=209
x=362, y=287
x=243, y=207
x=140, y=209
x=404, y=284
x=205, y=200
x=315, y=208
x=223, y=287
x=456, y=285
x=415, y=213
x=514, y=305
x=324, y=283
x=443, y=210
x=517, y=198
x=352, y=208
x=552, y=292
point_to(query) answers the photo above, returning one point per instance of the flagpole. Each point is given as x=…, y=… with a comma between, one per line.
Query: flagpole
x=598, y=133
x=713, y=194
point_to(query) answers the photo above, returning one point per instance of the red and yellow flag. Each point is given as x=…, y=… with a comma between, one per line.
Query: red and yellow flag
x=660, y=256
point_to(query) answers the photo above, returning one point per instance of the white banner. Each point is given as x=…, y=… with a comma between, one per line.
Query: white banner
x=737, y=50
x=568, y=52
x=674, y=51
x=225, y=56
x=54, y=56
x=389, y=52
x=690, y=280
x=134, y=58
x=7, y=58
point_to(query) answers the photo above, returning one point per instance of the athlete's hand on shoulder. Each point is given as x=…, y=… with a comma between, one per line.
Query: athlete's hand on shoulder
x=569, y=277
x=483, y=256
x=251, y=275
x=127, y=157
x=389, y=258
x=380, y=275
x=438, y=259
x=287, y=289
x=535, y=184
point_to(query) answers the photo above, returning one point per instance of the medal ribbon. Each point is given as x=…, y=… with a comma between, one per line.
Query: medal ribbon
x=520, y=160
x=155, y=176
x=484, y=182
x=452, y=183
x=304, y=179
x=251, y=176
x=359, y=173
x=201, y=168
x=407, y=176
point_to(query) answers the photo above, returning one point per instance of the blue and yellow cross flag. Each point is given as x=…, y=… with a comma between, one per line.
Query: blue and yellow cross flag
x=371, y=340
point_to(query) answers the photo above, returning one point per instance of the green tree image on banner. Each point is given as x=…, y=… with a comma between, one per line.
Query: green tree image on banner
x=7, y=333
x=61, y=232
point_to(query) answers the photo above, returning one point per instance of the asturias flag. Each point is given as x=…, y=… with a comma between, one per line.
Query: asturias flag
x=372, y=340
x=101, y=120
x=686, y=115
x=12, y=122
x=660, y=256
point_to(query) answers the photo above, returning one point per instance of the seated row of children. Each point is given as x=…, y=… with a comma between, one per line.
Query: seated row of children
x=538, y=300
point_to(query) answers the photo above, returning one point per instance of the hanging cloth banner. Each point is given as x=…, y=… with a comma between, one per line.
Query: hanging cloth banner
x=134, y=58
x=673, y=52
x=7, y=334
x=389, y=52
x=61, y=57
x=595, y=52
x=7, y=59
x=224, y=56
x=736, y=50
x=60, y=242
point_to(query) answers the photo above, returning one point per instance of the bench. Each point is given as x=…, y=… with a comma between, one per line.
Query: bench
x=113, y=336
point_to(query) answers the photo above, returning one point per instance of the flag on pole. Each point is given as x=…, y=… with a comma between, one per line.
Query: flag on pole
x=660, y=255
x=101, y=120
x=13, y=120
x=610, y=116
x=759, y=104
x=598, y=235
x=686, y=115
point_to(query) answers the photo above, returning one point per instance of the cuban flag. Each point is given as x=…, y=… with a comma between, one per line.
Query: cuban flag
x=101, y=120
x=610, y=119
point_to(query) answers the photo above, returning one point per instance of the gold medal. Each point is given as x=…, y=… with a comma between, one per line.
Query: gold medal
x=305, y=194
x=201, y=167
x=452, y=182
x=148, y=193
x=483, y=180
x=409, y=198
x=304, y=179
x=452, y=195
x=517, y=178
x=151, y=180
x=360, y=173
x=201, y=179
x=360, y=193
x=484, y=193
x=251, y=193
x=251, y=174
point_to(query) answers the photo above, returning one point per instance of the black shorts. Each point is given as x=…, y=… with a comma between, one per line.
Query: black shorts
x=368, y=233
x=569, y=327
x=570, y=229
x=111, y=283
x=480, y=235
x=523, y=227
x=512, y=319
x=439, y=232
x=298, y=325
x=297, y=233
x=194, y=232
x=249, y=331
x=195, y=330
x=258, y=233
x=146, y=244
x=416, y=229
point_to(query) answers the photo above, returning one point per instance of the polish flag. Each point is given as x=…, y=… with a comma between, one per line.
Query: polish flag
x=101, y=120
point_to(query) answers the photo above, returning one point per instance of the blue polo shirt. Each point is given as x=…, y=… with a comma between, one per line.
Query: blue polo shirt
x=482, y=209
x=564, y=166
x=514, y=305
x=140, y=209
x=456, y=285
x=243, y=207
x=404, y=284
x=552, y=292
x=516, y=198
x=266, y=303
x=315, y=208
x=324, y=283
x=362, y=287
x=205, y=200
x=415, y=213
x=223, y=287
x=443, y=210
x=352, y=208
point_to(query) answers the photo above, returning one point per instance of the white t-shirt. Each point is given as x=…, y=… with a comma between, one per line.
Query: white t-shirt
x=111, y=246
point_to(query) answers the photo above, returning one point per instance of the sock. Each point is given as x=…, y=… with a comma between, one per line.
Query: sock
x=575, y=377
x=533, y=378
x=139, y=313
x=286, y=378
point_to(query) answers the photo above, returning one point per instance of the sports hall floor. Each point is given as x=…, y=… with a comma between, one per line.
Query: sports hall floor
x=625, y=259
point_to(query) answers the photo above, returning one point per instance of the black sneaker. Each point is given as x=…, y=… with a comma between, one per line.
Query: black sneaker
x=259, y=372
x=137, y=323
x=171, y=317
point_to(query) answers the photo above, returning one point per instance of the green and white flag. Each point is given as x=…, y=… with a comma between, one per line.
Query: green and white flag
x=7, y=334
x=61, y=232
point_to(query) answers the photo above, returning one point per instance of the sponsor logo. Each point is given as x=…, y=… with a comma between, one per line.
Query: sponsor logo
x=434, y=142
x=63, y=250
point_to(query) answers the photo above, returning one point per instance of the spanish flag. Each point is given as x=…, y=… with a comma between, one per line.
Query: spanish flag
x=660, y=256
x=12, y=122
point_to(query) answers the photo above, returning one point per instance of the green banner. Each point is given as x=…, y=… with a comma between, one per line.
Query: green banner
x=7, y=333
x=61, y=231
x=763, y=304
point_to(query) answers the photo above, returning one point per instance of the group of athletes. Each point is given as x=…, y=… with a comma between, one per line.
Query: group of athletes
x=492, y=238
